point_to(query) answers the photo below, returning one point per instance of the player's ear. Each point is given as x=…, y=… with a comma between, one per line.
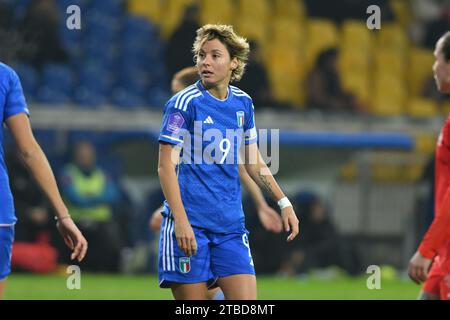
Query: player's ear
x=234, y=63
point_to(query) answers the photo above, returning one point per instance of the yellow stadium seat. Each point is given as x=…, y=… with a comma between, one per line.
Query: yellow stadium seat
x=425, y=143
x=389, y=95
x=422, y=108
x=289, y=10
x=252, y=29
x=402, y=10
x=358, y=84
x=393, y=35
x=390, y=61
x=445, y=108
x=356, y=35
x=289, y=31
x=151, y=10
x=213, y=11
x=172, y=14
x=420, y=69
x=353, y=61
x=321, y=34
x=252, y=9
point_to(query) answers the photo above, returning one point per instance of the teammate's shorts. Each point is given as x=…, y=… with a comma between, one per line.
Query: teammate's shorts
x=218, y=255
x=6, y=242
x=438, y=281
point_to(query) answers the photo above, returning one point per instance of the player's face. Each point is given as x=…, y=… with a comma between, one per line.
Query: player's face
x=214, y=63
x=441, y=69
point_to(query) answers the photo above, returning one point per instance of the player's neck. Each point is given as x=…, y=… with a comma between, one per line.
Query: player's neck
x=220, y=91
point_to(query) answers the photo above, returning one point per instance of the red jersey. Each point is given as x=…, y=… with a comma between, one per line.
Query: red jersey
x=437, y=239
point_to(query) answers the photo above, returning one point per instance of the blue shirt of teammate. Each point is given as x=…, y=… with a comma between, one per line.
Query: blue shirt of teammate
x=12, y=102
x=211, y=132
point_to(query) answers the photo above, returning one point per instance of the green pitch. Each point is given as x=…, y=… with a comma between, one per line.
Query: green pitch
x=117, y=287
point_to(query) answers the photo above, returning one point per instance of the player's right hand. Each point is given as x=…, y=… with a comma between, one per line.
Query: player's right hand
x=185, y=237
x=418, y=268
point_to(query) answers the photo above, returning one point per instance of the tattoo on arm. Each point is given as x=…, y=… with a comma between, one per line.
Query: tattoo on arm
x=266, y=185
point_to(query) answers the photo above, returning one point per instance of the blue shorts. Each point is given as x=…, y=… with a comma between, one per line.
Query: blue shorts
x=218, y=255
x=6, y=242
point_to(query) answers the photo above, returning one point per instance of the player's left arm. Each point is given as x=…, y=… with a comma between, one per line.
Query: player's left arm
x=260, y=173
x=36, y=162
x=268, y=217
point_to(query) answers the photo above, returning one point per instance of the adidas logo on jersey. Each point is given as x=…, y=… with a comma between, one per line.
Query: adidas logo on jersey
x=209, y=120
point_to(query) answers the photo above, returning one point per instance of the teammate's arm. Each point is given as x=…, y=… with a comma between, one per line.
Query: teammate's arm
x=36, y=162
x=169, y=156
x=260, y=173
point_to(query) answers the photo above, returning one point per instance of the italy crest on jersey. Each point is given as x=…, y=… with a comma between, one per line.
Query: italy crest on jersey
x=240, y=118
x=185, y=264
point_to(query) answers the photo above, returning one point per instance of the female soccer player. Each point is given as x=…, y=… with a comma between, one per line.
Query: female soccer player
x=14, y=113
x=435, y=246
x=203, y=236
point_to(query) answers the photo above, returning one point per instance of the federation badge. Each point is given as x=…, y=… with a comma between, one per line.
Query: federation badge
x=240, y=118
x=185, y=264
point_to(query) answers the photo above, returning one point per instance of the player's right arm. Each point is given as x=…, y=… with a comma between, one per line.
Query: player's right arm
x=436, y=236
x=168, y=155
x=176, y=122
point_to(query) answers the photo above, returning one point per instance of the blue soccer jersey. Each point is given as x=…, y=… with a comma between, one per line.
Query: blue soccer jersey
x=12, y=102
x=211, y=133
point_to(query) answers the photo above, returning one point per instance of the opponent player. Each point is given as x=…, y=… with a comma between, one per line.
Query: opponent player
x=435, y=247
x=203, y=236
x=14, y=113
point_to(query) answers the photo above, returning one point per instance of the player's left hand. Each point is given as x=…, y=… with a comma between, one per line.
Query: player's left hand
x=270, y=219
x=418, y=268
x=290, y=222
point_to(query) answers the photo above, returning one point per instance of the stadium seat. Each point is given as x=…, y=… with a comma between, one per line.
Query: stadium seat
x=390, y=61
x=213, y=11
x=292, y=10
x=388, y=96
x=422, y=108
x=29, y=78
x=394, y=36
x=420, y=69
x=321, y=34
x=356, y=35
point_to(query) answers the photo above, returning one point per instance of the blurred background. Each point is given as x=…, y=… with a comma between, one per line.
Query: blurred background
x=357, y=110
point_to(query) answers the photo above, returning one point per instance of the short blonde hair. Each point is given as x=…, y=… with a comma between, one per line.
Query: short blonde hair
x=237, y=46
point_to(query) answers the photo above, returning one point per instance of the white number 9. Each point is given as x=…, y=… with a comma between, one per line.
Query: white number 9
x=224, y=146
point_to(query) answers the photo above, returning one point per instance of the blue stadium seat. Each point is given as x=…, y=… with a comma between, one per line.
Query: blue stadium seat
x=29, y=78
x=126, y=99
x=57, y=84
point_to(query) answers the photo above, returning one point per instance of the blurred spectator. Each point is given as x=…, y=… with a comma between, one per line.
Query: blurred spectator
x=320, y=245
x=255, y=80
x=423, y=12
x=347, y=9
x=436, y=28
x=39, y=30
x=179, y=47
x=90, y=195
x=8, y=36
x=324, y=89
